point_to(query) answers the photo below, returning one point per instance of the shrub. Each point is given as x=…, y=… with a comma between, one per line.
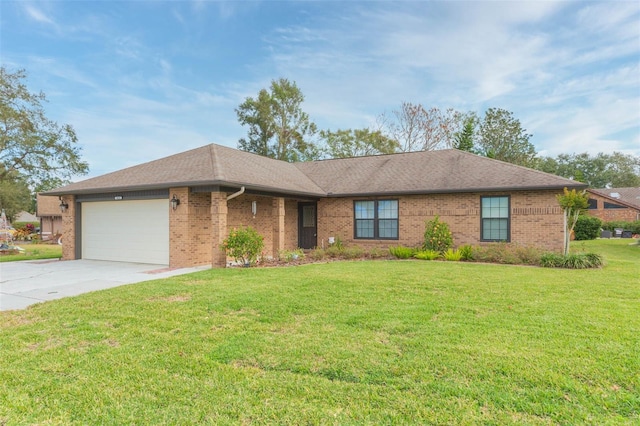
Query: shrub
x=587, y=228
x=427, y=255
x=377, y=253
x=318, y=254
x=334, y=250
x=354, y=252
x=452, y=255
x=506, y=253
x=402, y=252
x=634, y=227
x=437, y=236
x=466, y=252
x=552, y=260
x=244, y=245
x=572, y=261
x=291, y=255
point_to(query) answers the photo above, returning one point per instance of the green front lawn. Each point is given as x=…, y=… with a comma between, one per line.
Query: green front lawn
x=365, y=342
x=33, y=252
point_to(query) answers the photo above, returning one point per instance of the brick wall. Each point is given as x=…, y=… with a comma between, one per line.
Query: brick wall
x=626, y=214
x=536, y=219
x=190, y=229
x=69, y=229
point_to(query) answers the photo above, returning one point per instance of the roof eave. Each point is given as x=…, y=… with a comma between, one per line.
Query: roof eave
x=457, y=191
x=167, y=186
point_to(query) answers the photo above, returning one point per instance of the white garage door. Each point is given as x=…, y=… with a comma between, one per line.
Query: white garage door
x=126, y=231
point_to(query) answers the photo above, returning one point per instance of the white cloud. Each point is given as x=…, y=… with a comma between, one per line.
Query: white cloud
x=38, y=15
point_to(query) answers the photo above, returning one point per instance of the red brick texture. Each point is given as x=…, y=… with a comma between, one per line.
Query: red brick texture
x=199, y=225
x=626, y=214
x=536, y=219
x=69, y=229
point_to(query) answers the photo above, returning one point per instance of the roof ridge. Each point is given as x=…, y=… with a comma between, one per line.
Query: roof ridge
x=216, y=166
x=528, y=169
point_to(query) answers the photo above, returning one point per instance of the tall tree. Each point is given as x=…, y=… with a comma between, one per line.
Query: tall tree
x=278, y=127
x=356, y=143
x=463, y=139
x=419, y=129
x=15, y=195
x=602, y=170
x=502, y=137
x=32, y=146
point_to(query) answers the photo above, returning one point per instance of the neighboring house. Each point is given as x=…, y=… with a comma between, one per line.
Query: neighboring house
x=25, y=217
x=376, y=201
x=615, y=204
x=49, y=214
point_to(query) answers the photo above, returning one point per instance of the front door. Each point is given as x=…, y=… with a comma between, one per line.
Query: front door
x=307, y=225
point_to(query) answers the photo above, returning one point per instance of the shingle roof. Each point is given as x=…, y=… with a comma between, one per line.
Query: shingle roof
x=442, y=171
x=416, y=172
x=208, y=165
x=630, y=195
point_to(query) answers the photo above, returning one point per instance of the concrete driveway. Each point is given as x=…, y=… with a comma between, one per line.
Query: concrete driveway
x=28, y=282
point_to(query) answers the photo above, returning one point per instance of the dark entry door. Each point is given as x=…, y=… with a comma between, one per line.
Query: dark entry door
x=307, y=225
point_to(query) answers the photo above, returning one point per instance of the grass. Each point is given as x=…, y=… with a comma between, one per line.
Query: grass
x=366, y=342
x=33, y=252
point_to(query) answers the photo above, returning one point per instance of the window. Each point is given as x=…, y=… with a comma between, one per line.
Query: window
x=376, y=219
x=495, y=220
x=613, y=206
x=593, y=204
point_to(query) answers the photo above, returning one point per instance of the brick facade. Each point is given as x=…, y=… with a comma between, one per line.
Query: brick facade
x=625, y=214
x=536, y=219
x=199, y=225
x=69, y=229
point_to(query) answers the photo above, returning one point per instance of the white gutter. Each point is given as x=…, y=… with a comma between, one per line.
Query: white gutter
x=235, y=194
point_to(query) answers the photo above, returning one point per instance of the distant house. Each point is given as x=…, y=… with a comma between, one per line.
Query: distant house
x=178, y=210
x=615, y=204
x=49, y=215
x=25, y=217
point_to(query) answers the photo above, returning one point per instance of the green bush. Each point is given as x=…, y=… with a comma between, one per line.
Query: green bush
x=291, y=255
x=452, y=255
x=437, y=236
x=378, y=253
x=552, y=260
x=587, y=228
x=572, y=261
x=506, y=253
x=402, y=252
x=244, y=245
x=318, y=254
x=466, y=252
x=634, y=227
x=334, y=250
x=353, y=252
x=427, y=255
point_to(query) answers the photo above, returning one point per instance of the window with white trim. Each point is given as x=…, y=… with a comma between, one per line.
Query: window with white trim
x=495, y=219
x=376, y=219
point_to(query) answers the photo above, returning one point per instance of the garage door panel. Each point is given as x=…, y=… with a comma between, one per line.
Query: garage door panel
x=126, y=231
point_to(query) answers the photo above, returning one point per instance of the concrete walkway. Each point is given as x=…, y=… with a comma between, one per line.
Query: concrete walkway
x=28, y=282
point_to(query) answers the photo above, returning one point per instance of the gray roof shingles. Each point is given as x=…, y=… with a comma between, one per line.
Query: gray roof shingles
x=416, y=172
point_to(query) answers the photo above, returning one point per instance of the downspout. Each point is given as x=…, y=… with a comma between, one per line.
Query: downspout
x=236, y=194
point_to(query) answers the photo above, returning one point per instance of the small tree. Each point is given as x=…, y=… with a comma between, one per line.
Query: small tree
x=244, y=245
x=572, y=203
x=437, y=236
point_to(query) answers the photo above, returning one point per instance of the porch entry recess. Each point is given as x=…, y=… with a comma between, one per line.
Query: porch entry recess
x=307, y=225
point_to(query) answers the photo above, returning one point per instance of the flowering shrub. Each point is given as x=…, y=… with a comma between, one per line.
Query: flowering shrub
x=437, y=236
x=244, y=245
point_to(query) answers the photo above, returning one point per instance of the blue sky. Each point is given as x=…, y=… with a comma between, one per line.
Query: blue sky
x=140, y=80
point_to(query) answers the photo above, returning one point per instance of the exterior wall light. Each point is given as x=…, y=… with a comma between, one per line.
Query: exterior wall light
x=63, y=206
x=254, y=208
x=175, y=202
